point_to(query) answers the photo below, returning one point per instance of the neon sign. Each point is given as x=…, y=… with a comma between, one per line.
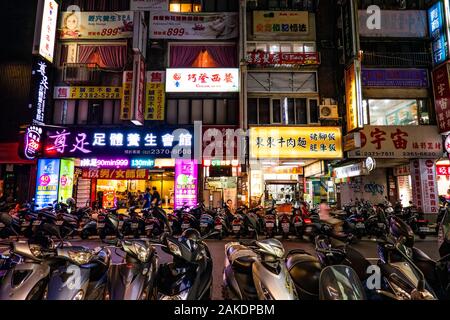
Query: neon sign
x=142, y=163
x=185, y=183
x=32, y=142
x=41, y=89
x=104, y=163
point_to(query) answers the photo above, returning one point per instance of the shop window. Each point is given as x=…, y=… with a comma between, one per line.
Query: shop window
x=314, y=111
x=301, y=113
x=276, y=111
x=272, y=47
x=95, y=112
x=264, y=111
x=203, y=56
x=394, y=112
x=185, y=6
x=252, y=111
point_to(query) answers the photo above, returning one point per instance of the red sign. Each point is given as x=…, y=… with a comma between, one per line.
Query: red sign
x=266, y=58
x=441, y=88
x=443, y=170
x=115, y=174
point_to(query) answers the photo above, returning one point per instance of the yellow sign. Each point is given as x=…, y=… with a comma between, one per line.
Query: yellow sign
x=295, y=143
x=353, y=96
x=125, y=106
x=87, y=92
x=280, y=22
x=155, y=95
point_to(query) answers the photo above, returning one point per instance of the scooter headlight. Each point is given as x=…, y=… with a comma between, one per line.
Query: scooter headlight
x=36, y=250
x=80, y=257
x=174, y=248
x=142, y=251
x=79, y=295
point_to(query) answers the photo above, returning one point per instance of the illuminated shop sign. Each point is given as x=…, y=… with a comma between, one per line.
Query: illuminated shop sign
x=202, y=80
x=32, y=143
x=115, y=174
x=40, y=89
x=142, y=163
x=48, y=29
x=104, y=163
x=185, y=183
x=47, y=181
x=92, y=143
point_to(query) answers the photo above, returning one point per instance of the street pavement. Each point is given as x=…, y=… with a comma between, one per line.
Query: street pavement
x=366, y=247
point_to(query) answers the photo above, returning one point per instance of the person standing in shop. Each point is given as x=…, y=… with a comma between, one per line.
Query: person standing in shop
x=147, y=199
x=156, y=197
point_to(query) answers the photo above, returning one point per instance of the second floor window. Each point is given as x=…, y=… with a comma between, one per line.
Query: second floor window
x=185, y=6
x=398, y=112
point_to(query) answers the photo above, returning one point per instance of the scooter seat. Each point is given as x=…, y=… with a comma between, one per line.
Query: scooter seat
x=241, y=258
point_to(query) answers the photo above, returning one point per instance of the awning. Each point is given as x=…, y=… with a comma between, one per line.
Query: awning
x=9, y=154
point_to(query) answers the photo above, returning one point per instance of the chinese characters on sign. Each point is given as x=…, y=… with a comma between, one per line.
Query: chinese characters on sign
x=66, y=174
x=155, y=95
x=149, y=5
x=101, y=163
x=138, y=93
x=96, y=25
x=47, y=181
x=81, y=143
x=87, y=92
x=295, y=143
x=399, y=142
x=202, y=80
x=48, y=30
x=198, y=26
x=32, y=143
x=40, y=92
x=403, y=78
x=185, y=183
x=443, y=170
x=441, y=87
x=279, y=58
x=353, y=96
x=281, y=22
x=115, y=174
x=425, y=190
x=125, y=107
x=438, y=34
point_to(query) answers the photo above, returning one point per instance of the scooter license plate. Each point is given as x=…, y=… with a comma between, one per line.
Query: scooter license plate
x=270, y=225
x=424, y=229
x=58, y=223
x=185, y=226
x=360, y=225
x=203, y=225
x=36, y=223
x=25, y=224
x=218, y=227
x=100, y=225
x=149, y=227
x=236, y=228
x=134, y=225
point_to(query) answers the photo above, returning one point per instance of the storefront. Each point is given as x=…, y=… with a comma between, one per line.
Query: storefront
x=106, y=165
x=280, y=157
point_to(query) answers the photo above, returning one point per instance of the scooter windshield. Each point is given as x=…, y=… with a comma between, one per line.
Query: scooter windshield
x=340, y=283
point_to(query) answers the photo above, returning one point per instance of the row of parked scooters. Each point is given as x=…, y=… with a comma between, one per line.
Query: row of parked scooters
x=254, y=269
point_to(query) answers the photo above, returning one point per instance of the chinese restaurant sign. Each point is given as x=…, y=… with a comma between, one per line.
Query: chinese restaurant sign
x=408, y=142
x=396, y=78
x=47, y=181
x=155, y=95
x=353, y=96
x=40, y=89
x=65, y=187
x=149, y=5
x=295, y=143
x=198, y=26
x=441, y=88
x=202, y=80
x=279, y=58
x=186, y=182
x=424, y=185
x=395, y=23
x=438, y=34
x=280, y=22
x=115, y=174
x=48, y=30
x=96, y=25
x=90, y=143
x=87, y=92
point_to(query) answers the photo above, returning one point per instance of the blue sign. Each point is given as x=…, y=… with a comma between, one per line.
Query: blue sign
x=438, y=34
x=47, y=181
x=142, y=163
x=395, y=78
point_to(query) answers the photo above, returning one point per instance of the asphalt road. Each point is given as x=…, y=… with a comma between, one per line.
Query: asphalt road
x=366, y=247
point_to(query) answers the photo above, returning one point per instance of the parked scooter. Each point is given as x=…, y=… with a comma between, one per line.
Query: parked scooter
x=257, y=271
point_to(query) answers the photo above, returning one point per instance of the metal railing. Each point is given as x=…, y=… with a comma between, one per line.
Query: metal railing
x=396, y=59
x=81, y=73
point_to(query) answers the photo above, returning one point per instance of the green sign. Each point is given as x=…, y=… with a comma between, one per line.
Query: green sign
x=66, y=174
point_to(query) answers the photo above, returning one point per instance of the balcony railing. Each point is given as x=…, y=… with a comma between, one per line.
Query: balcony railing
x=81, y=73
x=397, y=59
x=282, y=59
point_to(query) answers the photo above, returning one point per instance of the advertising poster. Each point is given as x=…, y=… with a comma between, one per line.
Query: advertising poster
x=185, y=183
x=424, y=185
x=202, y=80
x=66, y=174
x=96, y=25
x=201, y=26
x=87, y=92
x=48, y=30
x=155, y=95
x=47, y=180
x=280, y=22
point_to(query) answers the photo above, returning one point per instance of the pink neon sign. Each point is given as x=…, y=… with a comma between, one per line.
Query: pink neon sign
x=186, y=182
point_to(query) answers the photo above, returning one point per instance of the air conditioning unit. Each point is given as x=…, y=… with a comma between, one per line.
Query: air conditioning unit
x=329, y=112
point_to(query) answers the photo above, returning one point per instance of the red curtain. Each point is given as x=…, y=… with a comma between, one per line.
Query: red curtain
x=186, y=56
x=105, y=56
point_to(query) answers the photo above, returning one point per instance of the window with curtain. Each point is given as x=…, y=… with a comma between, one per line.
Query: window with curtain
x=105, y=56
x=203, y=56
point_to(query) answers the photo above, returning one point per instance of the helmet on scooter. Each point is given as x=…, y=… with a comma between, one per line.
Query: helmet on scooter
x=305, y=272
x=398, y=228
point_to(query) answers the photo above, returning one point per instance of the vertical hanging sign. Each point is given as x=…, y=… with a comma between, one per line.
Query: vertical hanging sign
x=125, y=107
x=155, y=95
